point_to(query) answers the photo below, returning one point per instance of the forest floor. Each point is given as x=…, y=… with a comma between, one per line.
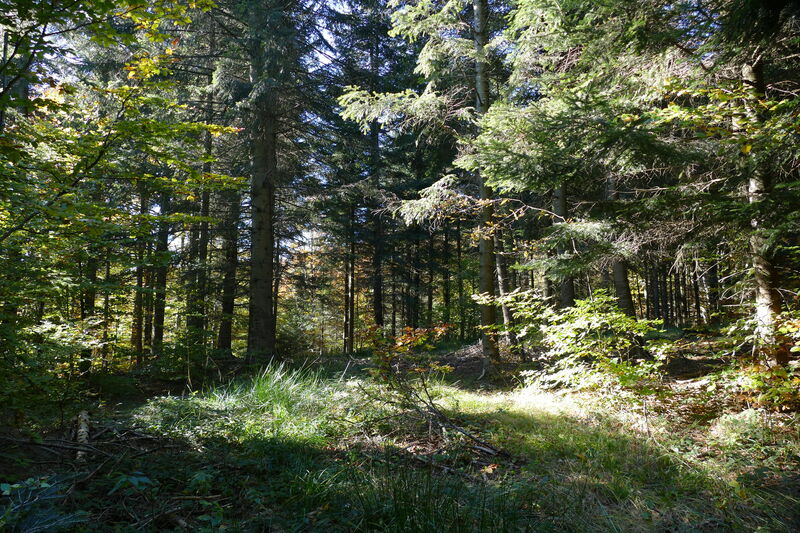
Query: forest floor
x=300, y=450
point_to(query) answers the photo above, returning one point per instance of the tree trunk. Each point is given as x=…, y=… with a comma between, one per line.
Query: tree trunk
x=137, y=322
x=567, y=286
x=504, y=289
x=431, y=270
x=230, y=250
x=346, y=321
x=416, y=284
x=88, y=301
x=106, y=312
x=147, y=335
x=759, y=190
x=486, y=242
x=446, y=276
x=462, y=320
x=351, y=332
x=260, y=340
x=276, y=288
x=622, y=286
x=377, y=224
x=160, y=283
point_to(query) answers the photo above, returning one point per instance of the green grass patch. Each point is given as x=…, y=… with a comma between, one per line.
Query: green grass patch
x=302, y=450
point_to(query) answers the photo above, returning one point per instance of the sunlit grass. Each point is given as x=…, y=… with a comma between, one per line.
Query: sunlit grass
x=575, y=464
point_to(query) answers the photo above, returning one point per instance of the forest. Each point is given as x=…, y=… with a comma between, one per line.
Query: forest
x=400, y=265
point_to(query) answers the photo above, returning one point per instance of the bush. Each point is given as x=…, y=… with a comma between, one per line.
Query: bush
x=590, y=344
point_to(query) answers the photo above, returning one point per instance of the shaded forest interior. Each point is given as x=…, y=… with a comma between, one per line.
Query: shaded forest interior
x=386, y=265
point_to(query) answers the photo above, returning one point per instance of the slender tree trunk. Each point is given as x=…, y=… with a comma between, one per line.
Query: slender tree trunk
x=462, y=317
x=377, y=224
x=230, y=250
x=504, y=288
x=346, y=321
x=160, y=285
x=148, y=301
x=486, y=242
x=394, y=305
x=698, y=304
x=663, y=291
x=106, y=312
x=137, y=320
x=446, y=276
x=276, y=287
x=431, y=270
x=416, y=283
x=759, y=190
x=567, y=286
x=88, y=300
x=351, y=333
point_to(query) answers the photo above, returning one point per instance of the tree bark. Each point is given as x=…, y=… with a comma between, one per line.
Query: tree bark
x=622, y=286
x=160, y=283
x=346, y=321
x=137, y=319
x=567, y=285
x=230, y=250
x=759, y=190
x=431, y=277
x=351, y=332
x=446, y=276
x=260, y=340
x=462, y=317
x=486, y=242
x=504, y=288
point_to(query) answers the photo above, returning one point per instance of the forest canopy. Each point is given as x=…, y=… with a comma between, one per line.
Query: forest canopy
x=564, y=195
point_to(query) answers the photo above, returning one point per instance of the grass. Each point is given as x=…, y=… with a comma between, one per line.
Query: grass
x=299, y=450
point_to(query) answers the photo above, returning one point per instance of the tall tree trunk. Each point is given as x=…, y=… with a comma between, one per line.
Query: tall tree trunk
x=431, y=276
x=377, y=225
x=230, y=250
x=619, y=266
x=486, y=242
x=105, y=349
x=351, y=333
x=394, y=305
x=346, y=321
x=622, y=286
x=504, y=288
x=264, y=153
x=416, y=285
x=160, y=283
x=648, y=292
x=137, y=321
x=663, y=291
x=759, y=190
x=698, y=305
x=375, y=164
x=147, y=335
x=462, y=317
x=260, y=340
x=567, y=286
x=276, y=287
x=446, y=276
x=88, y=300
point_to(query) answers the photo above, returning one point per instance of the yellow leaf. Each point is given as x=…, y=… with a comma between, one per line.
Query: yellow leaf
x=747, y=148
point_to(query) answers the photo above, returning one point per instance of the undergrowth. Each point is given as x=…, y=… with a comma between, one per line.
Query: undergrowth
x=299, y=450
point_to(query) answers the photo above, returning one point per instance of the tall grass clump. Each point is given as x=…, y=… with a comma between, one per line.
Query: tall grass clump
x=279, y=401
